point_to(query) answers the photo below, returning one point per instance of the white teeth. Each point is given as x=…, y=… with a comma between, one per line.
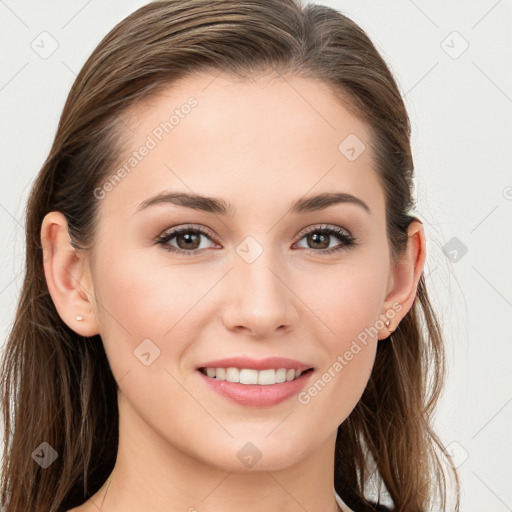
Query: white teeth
x=232, y=374
x=266, y=377
x=250, y=376
x=281, y=375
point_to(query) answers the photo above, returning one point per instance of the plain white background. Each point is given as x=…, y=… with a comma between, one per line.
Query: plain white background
x=453, y=63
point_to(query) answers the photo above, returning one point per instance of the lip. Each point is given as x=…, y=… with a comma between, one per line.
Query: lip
x=256, y=395
x=268, y=363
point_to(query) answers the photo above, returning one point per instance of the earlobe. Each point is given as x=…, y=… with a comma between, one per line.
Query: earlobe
x=407, y=271
x=66, y=276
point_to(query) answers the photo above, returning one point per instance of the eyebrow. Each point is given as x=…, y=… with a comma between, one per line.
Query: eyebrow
x=219, y=206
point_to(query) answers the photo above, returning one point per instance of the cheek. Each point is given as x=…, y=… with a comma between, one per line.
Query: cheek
x=145, y=294
x=137, y=302
x=142, y=296
x=346, y=299
x=348, y=304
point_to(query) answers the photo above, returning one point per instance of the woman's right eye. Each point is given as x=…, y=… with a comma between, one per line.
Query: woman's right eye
x=188, y=240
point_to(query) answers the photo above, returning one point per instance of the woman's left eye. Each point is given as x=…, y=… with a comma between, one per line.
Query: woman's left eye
x=325, y=233
x=188, y=239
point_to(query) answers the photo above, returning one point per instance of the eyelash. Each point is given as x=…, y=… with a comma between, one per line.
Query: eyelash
x=346, y=238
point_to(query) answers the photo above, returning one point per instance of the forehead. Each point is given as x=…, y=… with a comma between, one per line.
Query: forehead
x=274, y=135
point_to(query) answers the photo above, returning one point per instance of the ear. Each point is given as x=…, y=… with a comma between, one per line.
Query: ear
x=67, y=276
x=404, y=278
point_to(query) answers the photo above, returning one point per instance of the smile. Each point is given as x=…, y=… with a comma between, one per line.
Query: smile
x=271, y=391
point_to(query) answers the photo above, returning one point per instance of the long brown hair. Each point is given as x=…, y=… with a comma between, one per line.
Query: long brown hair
x=52, y=378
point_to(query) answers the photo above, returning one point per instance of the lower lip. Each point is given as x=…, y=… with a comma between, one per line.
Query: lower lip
x=256, y=395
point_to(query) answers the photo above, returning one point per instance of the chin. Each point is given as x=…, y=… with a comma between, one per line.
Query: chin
x=254, y=453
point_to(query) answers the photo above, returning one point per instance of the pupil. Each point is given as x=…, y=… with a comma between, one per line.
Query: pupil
x=189, y=238
x=314, y=237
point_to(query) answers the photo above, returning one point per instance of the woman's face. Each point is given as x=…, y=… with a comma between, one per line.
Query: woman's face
x=254, y=282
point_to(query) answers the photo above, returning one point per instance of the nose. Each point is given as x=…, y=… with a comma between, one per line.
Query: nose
x=260, y=300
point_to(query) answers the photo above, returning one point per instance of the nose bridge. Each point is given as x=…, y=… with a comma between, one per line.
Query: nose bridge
x=261, y=300
x=255, y=271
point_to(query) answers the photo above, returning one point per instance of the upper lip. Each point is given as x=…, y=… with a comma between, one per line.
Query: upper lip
x=257, y=364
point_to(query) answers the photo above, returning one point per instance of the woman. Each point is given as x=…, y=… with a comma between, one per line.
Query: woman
x=224, y=305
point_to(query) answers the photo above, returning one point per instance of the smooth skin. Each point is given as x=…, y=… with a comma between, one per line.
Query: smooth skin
x=259, y=144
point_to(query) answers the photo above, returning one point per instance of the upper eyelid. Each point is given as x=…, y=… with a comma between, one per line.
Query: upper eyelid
x=320, y=227
x=192, y=227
